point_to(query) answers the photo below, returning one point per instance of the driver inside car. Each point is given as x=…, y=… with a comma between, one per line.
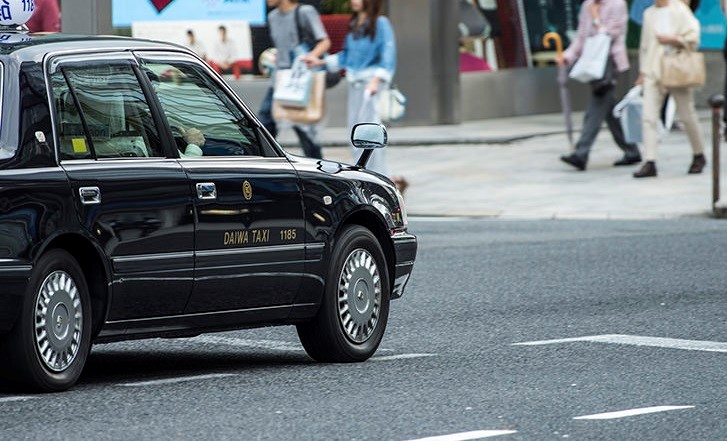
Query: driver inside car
x=195, y=140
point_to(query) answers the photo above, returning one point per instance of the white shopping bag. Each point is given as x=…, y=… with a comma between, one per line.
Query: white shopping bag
x=392, y=104
x=629, y=111
x=592, y=63
x=293, y=86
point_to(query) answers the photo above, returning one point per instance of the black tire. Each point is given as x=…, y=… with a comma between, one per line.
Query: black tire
x=330, y=337
x=58, y=277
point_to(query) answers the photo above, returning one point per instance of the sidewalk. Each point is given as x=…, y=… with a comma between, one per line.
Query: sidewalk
x=510, y=168
x=492, y=131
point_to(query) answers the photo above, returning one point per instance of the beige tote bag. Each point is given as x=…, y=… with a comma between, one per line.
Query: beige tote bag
x=683, y=68
x=310, y=114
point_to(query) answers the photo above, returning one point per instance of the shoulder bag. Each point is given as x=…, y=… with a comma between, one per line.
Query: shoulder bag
x=392, y=104
x=593, y=60
x=306, y=43
x=683, y=68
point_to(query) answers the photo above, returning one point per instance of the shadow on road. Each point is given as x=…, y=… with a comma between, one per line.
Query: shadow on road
x=110, y=365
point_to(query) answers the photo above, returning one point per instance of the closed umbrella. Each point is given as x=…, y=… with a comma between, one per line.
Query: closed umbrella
x=563, y=83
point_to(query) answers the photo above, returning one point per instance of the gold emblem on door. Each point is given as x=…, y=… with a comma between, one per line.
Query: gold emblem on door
x=247, y=190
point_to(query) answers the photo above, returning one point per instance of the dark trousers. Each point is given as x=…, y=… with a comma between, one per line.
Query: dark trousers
x=265, y=115
x=600, y=107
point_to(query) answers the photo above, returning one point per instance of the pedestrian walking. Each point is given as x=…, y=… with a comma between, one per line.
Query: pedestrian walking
x=724, y=113
x=611, y=17
x=369, y=59
x=668, y=25
x=296, y=30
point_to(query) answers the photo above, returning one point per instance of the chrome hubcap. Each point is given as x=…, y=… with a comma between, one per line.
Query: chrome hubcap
x=58, y=321
x=359, y=296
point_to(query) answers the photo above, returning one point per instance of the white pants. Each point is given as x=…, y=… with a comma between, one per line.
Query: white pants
x=654, y=96
x=362, y=108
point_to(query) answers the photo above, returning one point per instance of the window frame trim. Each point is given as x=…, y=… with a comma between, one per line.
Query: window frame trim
x=152, y=55
x=55, y=62
x=2, y=95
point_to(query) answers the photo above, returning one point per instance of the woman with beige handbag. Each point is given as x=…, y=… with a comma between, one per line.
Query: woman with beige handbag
x=669, y=63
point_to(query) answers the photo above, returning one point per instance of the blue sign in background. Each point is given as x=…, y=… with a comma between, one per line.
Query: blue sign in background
x=714, y=25
x=127, y=11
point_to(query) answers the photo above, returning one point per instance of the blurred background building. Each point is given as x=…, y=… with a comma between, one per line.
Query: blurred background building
x=459, y=60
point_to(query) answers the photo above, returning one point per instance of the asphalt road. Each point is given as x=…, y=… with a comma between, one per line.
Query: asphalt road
x=448, y=364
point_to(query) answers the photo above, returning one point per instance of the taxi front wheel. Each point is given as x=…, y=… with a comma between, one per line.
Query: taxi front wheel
x=51, y=339
x=355, y=308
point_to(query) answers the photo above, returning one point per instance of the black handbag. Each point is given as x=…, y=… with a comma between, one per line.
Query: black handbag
x=608, y=82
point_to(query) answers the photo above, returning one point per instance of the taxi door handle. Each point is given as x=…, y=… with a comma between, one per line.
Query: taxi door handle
x=90, y=195
x=206, y=190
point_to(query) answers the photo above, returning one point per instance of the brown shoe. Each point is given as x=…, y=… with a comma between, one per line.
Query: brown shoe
x=698, y=164
x=648, y=170
x=401, y=184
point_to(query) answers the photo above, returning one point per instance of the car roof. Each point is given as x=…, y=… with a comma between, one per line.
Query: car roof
x=31, y=45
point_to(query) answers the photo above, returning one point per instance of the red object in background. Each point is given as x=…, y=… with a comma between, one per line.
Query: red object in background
x=238, y=67
x=336, y=26
x=472, y=63
x=46, y=18
x=513, y=46
x=161, y=4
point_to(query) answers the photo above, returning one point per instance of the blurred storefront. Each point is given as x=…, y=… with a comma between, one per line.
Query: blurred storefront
x=458, y=59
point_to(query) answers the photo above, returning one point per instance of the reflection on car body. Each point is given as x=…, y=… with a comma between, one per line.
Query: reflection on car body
x=112, y=230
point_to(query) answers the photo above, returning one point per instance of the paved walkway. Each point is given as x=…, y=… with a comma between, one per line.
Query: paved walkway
x=510, y=168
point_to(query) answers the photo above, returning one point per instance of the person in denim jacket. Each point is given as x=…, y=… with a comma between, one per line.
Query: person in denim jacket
x=369, y=59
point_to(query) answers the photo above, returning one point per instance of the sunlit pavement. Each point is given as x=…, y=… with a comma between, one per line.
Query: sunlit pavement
x=525, y=178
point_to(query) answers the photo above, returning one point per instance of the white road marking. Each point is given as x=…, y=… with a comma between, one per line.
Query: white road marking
x=245, y=343
x=175, y=380
x=11, y=399
x=464, y=436
x=401, y=357
x=630, y=412
x=438, y=218
x=636, y=340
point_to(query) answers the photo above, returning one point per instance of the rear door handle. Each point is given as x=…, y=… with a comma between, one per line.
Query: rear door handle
x=90, y=195
x=206, y=190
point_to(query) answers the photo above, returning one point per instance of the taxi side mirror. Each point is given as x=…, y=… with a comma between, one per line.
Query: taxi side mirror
x=368, y=136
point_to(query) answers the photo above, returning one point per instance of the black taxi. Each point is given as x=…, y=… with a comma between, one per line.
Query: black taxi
x=140, y=197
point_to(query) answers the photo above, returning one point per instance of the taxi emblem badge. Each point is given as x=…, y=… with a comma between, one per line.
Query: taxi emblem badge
x=247, y=190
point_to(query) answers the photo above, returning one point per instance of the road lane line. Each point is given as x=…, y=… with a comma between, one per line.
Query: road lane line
x=465, y=436
x=401, y=357
x=246, y=343
x=636, y=340
x=438, y=218
x=11, y=399
x=175, y=380
x=630, y=412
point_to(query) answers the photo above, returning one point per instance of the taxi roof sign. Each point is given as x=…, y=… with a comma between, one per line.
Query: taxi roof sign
x=16, y=12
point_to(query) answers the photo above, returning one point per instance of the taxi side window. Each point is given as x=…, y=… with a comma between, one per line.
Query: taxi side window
x=203, y=119
x=103, y=113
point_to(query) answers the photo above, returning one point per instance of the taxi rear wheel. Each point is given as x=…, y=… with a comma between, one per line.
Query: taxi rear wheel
x=355, y=308
x=51, y=339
